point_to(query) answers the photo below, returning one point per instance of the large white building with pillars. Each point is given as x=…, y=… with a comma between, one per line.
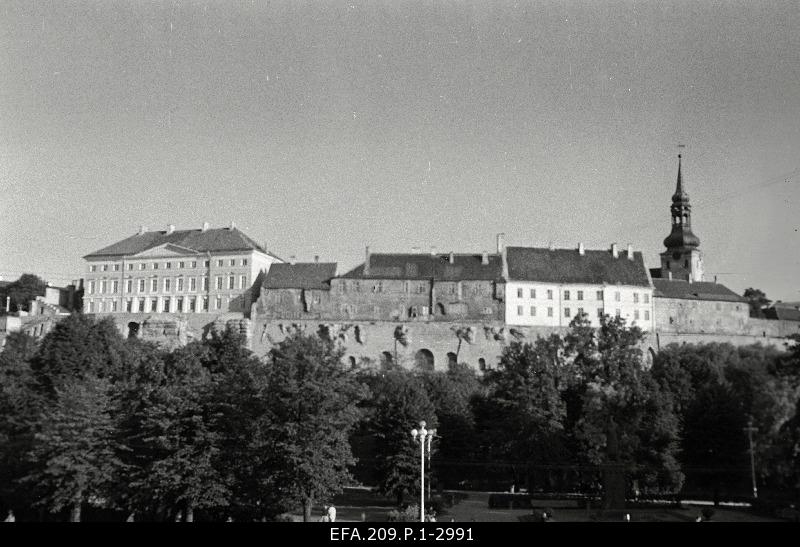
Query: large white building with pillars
x=548, y=287
x=206, y=270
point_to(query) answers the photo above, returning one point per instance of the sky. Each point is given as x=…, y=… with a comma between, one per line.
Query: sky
x=323, y=127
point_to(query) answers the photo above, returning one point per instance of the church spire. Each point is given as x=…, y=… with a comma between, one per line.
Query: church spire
x=681, y=257
x=679, y=188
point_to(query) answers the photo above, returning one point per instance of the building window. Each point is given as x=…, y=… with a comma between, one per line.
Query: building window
x=194, y=264
x=566, y=295
x=155, y=265
x=129, y=286
x=129, y=305
x=636, y=314
x=549, y=312
x=580, y=311
x=103, y=286
x=167, y=284
x=219, y=282
x=181, y=265
x=580, y=295
x=105, y=267
x=192, y=303
x=244, y=262
x=647, y=315
x=167, y=304
x=600, y=312
x=533, y=311
x=566, y=312
x=205, y=284
x=154, y=305
x=599, y=295
x=519, y=294
x=646, y=298
x=206, y=263
x=519, y=310
x=232, y=262
x=130, y=266
x=243, y=282
x=192, y=284
x=142, y=266
x=115, y=287
x=93, y=268
x=533, y=293
x=91, y=287
x=636, y=298
x=217, y=302
x=154, y=285
x=91, y=306
x=231, y=282
x=141, y=286
x=180, y=284
x=179, y=304
x=168, y=265
x=220, y=262
x=616, y=296
x=116, y=267
x=549, y=294
x=142, y=305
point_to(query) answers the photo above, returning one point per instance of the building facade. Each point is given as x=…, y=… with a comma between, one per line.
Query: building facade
x=207, y=270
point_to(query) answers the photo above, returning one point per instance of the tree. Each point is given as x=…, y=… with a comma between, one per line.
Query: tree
x=400, y=402
x=24, y=290
x=312, y=408
x=757, y=301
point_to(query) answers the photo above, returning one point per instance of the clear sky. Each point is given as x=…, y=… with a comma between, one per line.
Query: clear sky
x=322, y=127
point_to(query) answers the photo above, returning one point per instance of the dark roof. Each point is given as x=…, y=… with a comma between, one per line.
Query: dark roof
x=311, y=275
x=211, y=240
x=785, y=313
x=697, y=290
x=569, y=266
x=427, y=266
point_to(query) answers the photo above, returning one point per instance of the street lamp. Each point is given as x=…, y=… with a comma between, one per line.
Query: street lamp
x=421, y=435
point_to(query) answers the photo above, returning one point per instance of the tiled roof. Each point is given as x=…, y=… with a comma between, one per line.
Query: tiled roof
x=785, y=313
x=427, y=266
x=697, y=290
x=300, y=276
x=569, y=266
x=211, y=240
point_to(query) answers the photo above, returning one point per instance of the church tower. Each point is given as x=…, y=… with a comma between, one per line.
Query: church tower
x=682, y=259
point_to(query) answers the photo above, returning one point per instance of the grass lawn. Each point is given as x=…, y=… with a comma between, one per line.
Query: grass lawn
x=360, y=504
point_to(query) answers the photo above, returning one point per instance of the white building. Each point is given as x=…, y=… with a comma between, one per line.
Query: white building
x=549, y=287
x=208, y=270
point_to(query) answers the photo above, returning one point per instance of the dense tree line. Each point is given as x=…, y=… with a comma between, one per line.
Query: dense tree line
x=91, y=421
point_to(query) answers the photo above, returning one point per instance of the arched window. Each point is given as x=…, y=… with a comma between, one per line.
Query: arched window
x=424, y=359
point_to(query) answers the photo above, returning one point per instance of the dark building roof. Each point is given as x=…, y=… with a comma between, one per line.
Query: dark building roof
x=312, y=275
x=211, y=240
x=784, y=313
x=697, y=290
x=426, y=266
x=569, y=266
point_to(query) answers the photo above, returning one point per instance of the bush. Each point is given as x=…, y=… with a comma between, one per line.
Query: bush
x=409, y=514
x=510, y=501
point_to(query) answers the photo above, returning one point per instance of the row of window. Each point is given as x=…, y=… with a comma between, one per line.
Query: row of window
x=167, y=265
x=157, y=305
x=179, y=284
x=580, y=295
x=568, y=312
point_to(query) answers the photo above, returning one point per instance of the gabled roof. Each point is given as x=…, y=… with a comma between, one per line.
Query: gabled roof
x=569, y=266
x=784, y=313
x=465, y=267
x=211, y=240
x=311, y=275
x=697, y=290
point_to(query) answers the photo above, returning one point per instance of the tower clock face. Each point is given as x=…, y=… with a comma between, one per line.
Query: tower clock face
x=676, y=256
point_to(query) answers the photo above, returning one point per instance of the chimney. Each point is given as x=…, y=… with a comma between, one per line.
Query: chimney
x=581, y=250
x=316, y=259
x=500, y=243
x=142, y=229
x=206, y=226
x=366, y=262
x=433, y=251
x=614, y=250
x=232, y=226
x=630, y=251
x=452, y=258
x=170, y=228
x=551, y=246
x=485, y=258
x=292, y=260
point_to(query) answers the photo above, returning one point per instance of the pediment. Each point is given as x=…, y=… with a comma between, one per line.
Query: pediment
x=167, y=250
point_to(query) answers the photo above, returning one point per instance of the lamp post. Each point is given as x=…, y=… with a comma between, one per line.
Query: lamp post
x=422, y=435
x=750, y=430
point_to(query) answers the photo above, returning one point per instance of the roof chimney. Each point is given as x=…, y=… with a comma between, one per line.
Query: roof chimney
x=614, y=250
x=316, y=259
x=292, y=260
x=581, y=250
x=170, y=228
x=452, y=258
x=232, y=226
x=206, y=226
x=500, y=242
x=366, y=261
x=142, y=229
x=630, y=251
x=433, y=251
x=485, y=258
